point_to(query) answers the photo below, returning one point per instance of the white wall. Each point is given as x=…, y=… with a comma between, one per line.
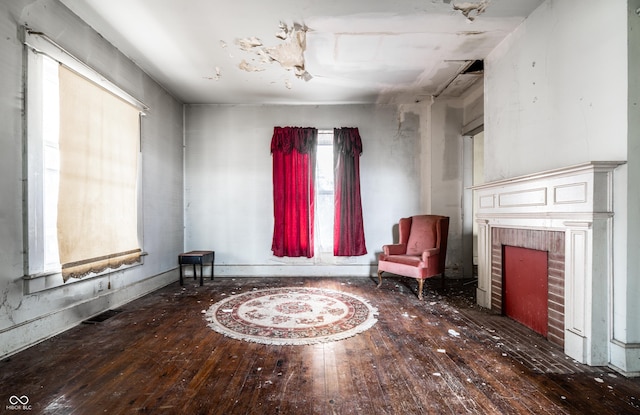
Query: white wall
x=229, y=204
x=28, y=318
x=626, y=307
x=446, y=179
x=555, y=90
x=562, y=90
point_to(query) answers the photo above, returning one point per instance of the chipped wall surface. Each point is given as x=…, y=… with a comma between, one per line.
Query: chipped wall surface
x=29, y=318
x=447, y=175
x=440, y=165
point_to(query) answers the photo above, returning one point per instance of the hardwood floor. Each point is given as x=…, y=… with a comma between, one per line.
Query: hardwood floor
x=442, y=355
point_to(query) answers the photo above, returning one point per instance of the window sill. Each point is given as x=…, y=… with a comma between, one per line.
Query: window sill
x=48, y=281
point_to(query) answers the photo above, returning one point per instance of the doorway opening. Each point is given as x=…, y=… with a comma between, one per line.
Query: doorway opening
x=478, y=178
x=473, y=176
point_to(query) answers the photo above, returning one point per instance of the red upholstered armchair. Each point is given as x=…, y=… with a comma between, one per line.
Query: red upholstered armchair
x=421, y=251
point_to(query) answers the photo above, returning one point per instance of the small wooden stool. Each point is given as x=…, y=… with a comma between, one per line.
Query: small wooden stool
x=196, y=257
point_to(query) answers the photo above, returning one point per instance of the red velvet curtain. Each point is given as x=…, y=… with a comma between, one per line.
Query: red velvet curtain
x=348, y=229
x=294, y=166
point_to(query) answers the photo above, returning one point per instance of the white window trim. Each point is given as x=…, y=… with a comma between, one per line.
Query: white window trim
x=40, y=43
x=36, y=277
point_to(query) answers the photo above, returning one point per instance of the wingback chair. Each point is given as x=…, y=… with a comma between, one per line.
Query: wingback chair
x=421, y=251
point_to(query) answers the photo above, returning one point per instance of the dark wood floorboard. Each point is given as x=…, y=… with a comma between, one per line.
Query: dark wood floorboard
x=442, y=355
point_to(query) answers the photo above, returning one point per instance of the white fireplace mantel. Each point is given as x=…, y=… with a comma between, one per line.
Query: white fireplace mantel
x=577, y=200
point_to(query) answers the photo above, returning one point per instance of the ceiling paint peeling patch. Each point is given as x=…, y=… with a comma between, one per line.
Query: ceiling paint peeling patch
x=284, y=31
x=248, y=43
x=246, y=66
x=217, y=76
x=472, y=10
x=289, y=54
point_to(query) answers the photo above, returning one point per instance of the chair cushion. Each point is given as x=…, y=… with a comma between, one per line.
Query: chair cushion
x=423, y=234
x=411, y=260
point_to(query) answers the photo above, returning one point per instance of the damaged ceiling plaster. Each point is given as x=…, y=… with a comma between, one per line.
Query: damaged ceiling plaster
x=305, y=51
x=471, y=10
x=289, y=53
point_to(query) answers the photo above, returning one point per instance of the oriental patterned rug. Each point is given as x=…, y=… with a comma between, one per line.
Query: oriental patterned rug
x=291, y=316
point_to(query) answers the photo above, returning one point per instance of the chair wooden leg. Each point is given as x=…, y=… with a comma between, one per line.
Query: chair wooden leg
x=420, y=285
x=379, y=279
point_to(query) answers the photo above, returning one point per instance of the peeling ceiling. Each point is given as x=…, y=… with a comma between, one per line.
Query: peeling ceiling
x=306, y=51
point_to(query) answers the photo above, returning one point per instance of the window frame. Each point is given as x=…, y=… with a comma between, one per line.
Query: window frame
x=37, y=276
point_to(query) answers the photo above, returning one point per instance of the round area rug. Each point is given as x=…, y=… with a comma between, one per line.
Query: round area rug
x=291, y=316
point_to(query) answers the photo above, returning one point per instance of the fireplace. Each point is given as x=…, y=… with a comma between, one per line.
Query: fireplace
x=567, y=213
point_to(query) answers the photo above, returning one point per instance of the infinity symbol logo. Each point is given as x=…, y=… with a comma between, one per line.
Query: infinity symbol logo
x=23, y=400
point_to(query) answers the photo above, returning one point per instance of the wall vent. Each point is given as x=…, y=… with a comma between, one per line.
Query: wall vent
x=102, y=317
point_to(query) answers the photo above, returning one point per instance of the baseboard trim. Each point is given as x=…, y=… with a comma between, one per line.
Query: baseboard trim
x=23, y=335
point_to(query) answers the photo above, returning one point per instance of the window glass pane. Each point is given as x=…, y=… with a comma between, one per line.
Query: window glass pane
x=51, y=156
x=324, y=192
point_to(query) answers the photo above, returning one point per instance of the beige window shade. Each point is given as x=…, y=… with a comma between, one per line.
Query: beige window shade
x=97, y=202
